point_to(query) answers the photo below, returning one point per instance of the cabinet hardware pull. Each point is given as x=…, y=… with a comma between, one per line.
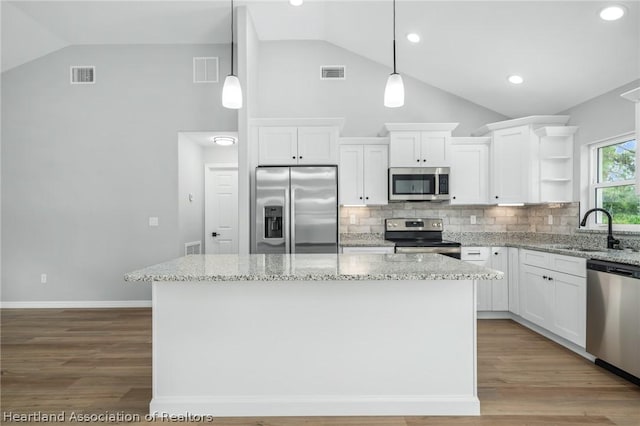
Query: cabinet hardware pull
x=294, y=157
x=544, y=277
x=454, y=197
x=300, y=157
x=496, y=196
x=424, y=160
x=366, y=198
x=418, y=160
x=361, y=198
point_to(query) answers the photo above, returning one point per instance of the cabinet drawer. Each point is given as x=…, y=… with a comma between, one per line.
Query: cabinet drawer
x=568, y=264
x=475, y=253
x=534, y=258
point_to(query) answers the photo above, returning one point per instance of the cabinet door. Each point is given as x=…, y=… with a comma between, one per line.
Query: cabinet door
x=514, y=280
x=434, y=149
x=351, y=175
x=469, y=174
x=405, y=149
x=277, y=146
x=534, y=295
x=483, y=301
x=508, y=165
x=568, y=307
x=318, y=145
x=376, y=182
x=500, y=288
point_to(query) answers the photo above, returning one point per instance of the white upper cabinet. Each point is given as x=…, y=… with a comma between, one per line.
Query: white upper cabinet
x=317, y=145
x=419, y=144
x=524, y=170
x=469, y=178
x=278, y=145
x=363, y=171
x=509, y=155
x=313, y=145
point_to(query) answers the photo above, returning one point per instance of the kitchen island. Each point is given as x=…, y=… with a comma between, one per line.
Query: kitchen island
x=314, y=334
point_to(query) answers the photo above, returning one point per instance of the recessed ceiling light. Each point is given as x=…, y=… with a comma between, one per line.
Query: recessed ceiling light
x=223, y=140
x=612, y=13
x=413, y=37
x=295, y=2
x=515, y=79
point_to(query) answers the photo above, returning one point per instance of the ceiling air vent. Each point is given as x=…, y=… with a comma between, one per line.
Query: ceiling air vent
x=83, y=74
x=333, y=72
x=205, y=69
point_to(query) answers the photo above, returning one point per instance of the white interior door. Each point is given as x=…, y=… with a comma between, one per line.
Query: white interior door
x=221, y=210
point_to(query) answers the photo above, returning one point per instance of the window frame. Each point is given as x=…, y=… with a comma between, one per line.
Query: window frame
x=593, y=183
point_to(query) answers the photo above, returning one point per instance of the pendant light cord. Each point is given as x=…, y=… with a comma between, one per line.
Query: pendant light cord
x=394, y=36
x=232, y=36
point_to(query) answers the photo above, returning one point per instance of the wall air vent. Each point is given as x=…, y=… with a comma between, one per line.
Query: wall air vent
x=333, y=72
x=83, y=74
x=205, y=69
x=194, y=247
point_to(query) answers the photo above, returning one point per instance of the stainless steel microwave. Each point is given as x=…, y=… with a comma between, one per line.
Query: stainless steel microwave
x=418, y=183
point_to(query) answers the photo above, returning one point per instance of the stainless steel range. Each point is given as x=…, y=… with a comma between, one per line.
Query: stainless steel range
x=413, y=235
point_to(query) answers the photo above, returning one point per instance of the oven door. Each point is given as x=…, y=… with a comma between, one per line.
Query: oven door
x=418, y=184
x=447, y=251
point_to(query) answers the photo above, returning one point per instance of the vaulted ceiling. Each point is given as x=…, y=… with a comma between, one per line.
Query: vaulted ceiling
x=564, y=51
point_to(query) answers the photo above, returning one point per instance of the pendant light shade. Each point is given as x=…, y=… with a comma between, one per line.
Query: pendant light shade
x=232, y=93
x=394, y=91
x=232, y=90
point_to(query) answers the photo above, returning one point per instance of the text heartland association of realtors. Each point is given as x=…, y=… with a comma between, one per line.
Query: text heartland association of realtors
x=106, y=417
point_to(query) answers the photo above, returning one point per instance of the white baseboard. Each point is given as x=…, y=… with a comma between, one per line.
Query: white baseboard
x=494, y=315
x=77, y=304
x=316, y=405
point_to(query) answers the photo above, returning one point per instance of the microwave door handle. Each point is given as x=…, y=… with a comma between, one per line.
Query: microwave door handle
x=436, y=189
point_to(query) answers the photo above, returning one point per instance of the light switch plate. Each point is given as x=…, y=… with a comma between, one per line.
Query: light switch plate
x=352, y=219
x=550, y=220
x=154, y=221
x=472, y=219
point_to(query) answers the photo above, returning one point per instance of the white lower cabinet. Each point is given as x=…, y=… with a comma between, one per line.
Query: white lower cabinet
x=493, y=295
x=368, y=250
x=553, y=293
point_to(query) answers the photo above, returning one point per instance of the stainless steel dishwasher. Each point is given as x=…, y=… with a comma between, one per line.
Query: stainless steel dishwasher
x=613, y=317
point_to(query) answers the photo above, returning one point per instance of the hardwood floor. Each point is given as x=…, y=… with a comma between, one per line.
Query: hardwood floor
x=99, y=360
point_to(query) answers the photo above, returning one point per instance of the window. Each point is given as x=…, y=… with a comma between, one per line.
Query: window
x=613, y=171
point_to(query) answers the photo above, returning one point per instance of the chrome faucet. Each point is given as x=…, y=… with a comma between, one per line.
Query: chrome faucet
x=612, y=243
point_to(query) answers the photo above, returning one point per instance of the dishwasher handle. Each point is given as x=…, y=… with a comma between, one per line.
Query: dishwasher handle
x=631, y=271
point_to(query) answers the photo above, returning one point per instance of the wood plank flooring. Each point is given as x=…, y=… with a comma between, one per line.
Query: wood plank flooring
x=99, y=360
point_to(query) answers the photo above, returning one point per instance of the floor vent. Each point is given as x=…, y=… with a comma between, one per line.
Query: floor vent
x=194, y=247
x=205, y=69
x=333, y=72
x=83, y=74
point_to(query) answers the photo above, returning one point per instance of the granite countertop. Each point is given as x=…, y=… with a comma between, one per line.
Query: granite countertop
x=588, y=246
x=364, y=240
x=313, y=267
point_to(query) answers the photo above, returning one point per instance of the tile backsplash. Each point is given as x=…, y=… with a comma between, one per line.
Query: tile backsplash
x=533, y=218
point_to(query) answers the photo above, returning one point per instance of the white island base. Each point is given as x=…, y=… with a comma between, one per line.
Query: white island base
x=307, y=348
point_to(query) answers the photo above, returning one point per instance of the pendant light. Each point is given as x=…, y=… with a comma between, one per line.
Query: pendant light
x=232, y=90
x=394, y=91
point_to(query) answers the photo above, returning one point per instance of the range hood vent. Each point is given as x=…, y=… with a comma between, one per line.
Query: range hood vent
x=83, y=74
x=333, y=72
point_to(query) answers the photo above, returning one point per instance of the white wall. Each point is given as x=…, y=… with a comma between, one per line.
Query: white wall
x=599, y=118
x=290, y=86
x=84, y=167
x=220, y=154
x=190, y=182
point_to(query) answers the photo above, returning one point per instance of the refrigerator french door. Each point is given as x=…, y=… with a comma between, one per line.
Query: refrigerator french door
x=296, y=209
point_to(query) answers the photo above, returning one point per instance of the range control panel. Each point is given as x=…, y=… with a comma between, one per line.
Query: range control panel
x=413, y=224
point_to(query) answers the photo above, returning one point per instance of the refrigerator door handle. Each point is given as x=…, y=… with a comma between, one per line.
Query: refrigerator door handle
x=286, y=224
x=293, y=222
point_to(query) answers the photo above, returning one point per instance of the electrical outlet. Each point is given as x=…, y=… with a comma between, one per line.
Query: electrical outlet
x=472, y=219
x=352, y=219
x=43, y=278
x=550, y=220
x=154, y=221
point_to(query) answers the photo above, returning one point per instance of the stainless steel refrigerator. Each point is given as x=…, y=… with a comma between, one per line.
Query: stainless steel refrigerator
x=296, y=209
